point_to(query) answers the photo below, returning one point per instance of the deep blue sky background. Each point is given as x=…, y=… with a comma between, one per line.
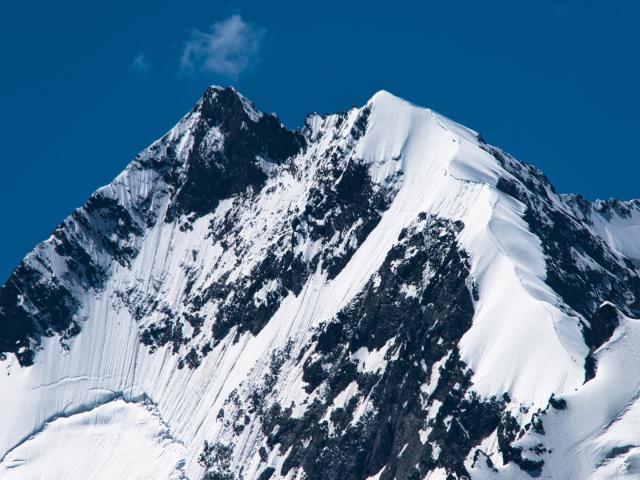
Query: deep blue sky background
x=553, y=82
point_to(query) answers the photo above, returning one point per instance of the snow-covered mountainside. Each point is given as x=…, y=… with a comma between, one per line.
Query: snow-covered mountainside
x=378, y=295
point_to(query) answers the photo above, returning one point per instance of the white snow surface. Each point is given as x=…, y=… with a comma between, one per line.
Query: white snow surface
x=107, y=408
x=620, y=232
x=114, y=440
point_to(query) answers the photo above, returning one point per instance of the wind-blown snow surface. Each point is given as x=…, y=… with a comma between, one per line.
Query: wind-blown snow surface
x=245, y=302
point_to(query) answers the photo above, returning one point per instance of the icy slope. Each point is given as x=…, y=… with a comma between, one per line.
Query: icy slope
x=381, y=293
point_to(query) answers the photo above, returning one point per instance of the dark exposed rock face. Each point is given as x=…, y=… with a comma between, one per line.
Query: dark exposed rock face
x=37, y=302
x=565, y=239
x=406, y=311
x=104, y=231
x=342, y=206
x=603, y=323
x=53, y=301
x=212, y=175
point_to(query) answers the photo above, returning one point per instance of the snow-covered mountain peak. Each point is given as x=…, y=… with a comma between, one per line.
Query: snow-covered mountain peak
x=387, y=100
x=380, y=294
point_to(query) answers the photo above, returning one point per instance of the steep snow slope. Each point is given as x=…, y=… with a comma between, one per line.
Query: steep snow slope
x=616, y=222
x=381, y=294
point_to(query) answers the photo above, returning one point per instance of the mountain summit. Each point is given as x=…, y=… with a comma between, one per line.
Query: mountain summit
x=377, y=295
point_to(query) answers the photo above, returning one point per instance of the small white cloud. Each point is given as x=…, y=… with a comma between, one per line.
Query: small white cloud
x=227, y=49
x=140, y=64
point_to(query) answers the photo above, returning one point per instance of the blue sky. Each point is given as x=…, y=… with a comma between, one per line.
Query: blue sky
x=83, y=87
